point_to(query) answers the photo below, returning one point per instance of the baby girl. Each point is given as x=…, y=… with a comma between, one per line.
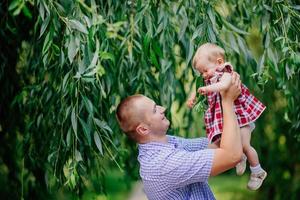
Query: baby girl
x=209, y=61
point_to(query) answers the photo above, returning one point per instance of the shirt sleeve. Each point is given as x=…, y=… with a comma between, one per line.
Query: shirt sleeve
x=228, y=68
x=181, y=168
x=193, y=144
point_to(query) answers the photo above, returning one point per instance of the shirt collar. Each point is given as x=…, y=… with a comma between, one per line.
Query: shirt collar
x=158, y=145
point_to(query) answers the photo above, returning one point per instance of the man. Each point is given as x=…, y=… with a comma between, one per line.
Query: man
x=173, y=167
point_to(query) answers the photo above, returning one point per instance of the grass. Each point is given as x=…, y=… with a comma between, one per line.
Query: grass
x=117, y=187
x=231, y=187
x=224, y=187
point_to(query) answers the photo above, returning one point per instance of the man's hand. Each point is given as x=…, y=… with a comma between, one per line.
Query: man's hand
x=192, y=100
x=234, y=89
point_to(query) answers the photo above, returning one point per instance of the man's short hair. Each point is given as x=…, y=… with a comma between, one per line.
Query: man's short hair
x=127, y=116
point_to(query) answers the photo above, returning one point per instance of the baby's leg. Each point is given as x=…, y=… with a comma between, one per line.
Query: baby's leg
x=257, y=173
x=247, y=148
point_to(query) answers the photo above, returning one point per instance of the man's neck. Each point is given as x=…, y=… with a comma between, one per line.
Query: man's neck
x=154, y=138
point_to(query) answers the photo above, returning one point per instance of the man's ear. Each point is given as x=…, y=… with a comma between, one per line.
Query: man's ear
x=142, y=129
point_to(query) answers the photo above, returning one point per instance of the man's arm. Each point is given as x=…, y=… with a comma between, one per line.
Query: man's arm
x=223, y=84
x=230, y=151
x=190, y=144
x=213, y=146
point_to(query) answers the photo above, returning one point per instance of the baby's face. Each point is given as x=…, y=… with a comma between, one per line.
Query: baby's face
x=206, y=67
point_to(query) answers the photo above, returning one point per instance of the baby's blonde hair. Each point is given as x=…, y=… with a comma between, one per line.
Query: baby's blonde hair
x=211, y=50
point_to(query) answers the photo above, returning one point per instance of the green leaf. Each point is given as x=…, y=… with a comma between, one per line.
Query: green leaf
x=95, y=57
x=103, y=125
x=18, y=10
x=146, y=44
x=46, y=7
x=88, y=104
x=72, y=180
x=42, y=11
x=149, y=25
x=78, y=156
x=211, y=34
x=61, y=10
x=198, y=32
x=72, y=49
x=211, y=16
x=44, y=25
x=285, y=49
x=233, y=43
x=183, y=24
x=157, y=49
x=165, y=65
x=107, y=56
x=39, y=120
x=242, y=45
x=199, y=82
x=90, y=74
x=190, y=51
x=161, y=26
x=69, y=138
x=278, y=38
x=74, y=121
x=268, y=8
x=65, y=80
x=62, y=58
x=273, y=59
x=50, y=156
x=88, y=80
x=153, y=59
x=235, y=29
x=47, y=43
x=81, y=66
x=102, y=91
x=26, y=11
x=56, y=50
x=98, y=142
x=296, y=7
x=74, y=24
x=86, y=131
x=267, y=40
x=261, y=64
x=13, y=5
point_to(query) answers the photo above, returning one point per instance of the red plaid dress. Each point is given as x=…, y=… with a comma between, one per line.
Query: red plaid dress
x=247, y=107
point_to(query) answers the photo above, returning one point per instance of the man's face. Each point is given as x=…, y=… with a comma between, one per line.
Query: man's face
x=153, y=115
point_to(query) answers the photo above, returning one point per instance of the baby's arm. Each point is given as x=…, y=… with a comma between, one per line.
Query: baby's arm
x=192, y=100
x=223, y=84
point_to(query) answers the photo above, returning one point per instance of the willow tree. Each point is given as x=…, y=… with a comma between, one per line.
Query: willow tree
x=82, y=57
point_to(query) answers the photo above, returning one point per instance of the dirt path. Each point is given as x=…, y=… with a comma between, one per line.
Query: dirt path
x=137, y=192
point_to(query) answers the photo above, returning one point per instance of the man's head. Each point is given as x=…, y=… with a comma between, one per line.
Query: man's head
x=207, y=58
x=141, y=119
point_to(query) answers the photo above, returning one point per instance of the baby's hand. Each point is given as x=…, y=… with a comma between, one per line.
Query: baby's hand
x=202, y=90
x=192, y=100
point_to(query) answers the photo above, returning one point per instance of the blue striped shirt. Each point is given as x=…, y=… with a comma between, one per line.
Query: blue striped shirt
x=176, y=170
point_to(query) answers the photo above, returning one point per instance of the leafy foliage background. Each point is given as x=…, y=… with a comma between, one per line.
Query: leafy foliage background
x=65, y=65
